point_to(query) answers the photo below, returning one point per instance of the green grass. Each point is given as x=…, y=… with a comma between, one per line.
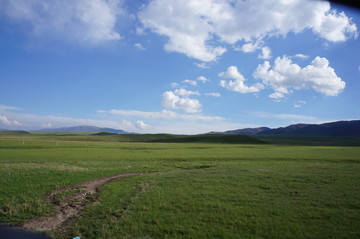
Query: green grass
x=312, y=141
x=201, y=191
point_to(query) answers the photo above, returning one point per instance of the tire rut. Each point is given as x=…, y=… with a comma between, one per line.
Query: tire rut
x=68, y=207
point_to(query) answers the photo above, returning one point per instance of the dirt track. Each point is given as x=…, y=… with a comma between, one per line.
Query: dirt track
x=79, y=197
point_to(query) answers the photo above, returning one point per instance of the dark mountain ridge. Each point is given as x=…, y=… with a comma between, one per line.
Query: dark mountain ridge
x=339, y=128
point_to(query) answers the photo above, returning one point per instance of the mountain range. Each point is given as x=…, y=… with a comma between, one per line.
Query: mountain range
x=84, y=128
x=338, y=128
x=349, y=128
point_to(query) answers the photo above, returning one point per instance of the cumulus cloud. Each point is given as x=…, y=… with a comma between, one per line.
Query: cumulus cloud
x=203, y=79
x=141, y=125
x=276, y=95
x=238, y=84
x=199, y=28
x=7, y=122
x=172, y=101
x=91, y=21
x=334, y=26
x=190, y=82
x=186, y=24
x=265, y=53
x=286, y=75
x=250, y=46
x=186, y=93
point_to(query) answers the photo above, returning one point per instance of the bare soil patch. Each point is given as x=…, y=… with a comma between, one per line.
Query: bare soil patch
x=70, y=202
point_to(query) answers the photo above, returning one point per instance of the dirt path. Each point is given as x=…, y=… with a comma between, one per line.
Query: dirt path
x=70, y=202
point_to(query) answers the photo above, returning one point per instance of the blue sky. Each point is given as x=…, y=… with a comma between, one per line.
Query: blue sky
x=175, y=66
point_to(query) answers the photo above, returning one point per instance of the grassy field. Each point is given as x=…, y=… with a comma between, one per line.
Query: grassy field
x=200, y=190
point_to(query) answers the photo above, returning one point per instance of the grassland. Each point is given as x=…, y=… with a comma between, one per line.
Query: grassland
x=201, y=190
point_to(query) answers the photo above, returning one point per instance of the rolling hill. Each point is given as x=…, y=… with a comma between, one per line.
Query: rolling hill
x=333, y=129
x=84, y=128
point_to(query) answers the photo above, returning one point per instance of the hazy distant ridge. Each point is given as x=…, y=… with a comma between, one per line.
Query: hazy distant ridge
x=84, y=128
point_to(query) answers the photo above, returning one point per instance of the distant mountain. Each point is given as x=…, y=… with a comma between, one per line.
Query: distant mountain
x=338, y=128
x=84, y=128
x=248, y=131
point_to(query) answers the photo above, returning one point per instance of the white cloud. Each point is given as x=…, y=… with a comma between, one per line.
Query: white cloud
x=7, y=122
x=276, y=95
x=203, y=79
x=47, y=125
x=238, y=85
x=186, y=93
x=139, y=46
x=174, y=84
x=291, y=117
x=180, y=127
x=250, y=46
x=91, y=21
x=334, y=26
x=7, y=107
x=35, y=122
x=286, y=75
x=200, y=28
x=186, y=24
x=301, y=56
x=164, y=121
x=265, y=53
x=302, y=101
x=214, y=94
x=202, y=65
x=171, y=101
x=140, y=31
x=164, y=114
x=190, y=82
x=299, y=103
x=141, y=125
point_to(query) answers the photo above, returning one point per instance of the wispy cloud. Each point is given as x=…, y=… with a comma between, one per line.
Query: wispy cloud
x=7, y=122
x=164, y=114
x=202, y=65
x=139, y=46
x=299, y=103
x=202, y=79
x=20, y=120
x=290, y=117
x=214, y=94
x=7, y=108
x=302, y=56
